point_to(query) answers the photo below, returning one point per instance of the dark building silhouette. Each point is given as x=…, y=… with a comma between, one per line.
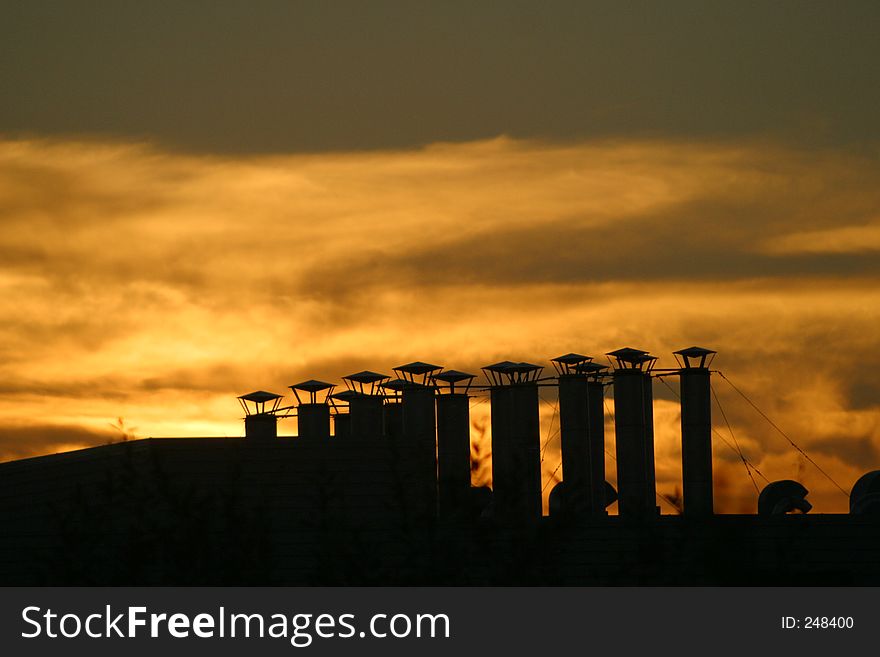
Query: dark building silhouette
x=385, y=496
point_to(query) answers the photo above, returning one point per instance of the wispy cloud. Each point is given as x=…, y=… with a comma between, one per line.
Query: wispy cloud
x=853, y=240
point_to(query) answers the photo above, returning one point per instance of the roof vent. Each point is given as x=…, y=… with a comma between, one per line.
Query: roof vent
x=255, y=403
x=313, y=415
x=260, y=422
x=366, y=382
x=509, y=373
x=451, y=379
x=417, y=372
x=781, y=497
x=865, y=496
x=694, y=358
x=568, y=363
x=632, y=359
x=591, y=369
x=314, y=390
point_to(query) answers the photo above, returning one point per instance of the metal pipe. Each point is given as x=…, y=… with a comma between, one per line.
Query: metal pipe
x=419, y=432
x=516, y=459
x=696, y=442
x=313, y=422
x=366, y=416
x=634, y=430
x=261, y=427
x=453, y=454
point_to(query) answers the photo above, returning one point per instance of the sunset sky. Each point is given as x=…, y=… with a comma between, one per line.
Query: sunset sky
x=202, y=199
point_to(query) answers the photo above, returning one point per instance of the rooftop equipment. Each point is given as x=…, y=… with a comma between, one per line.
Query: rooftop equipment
x=865, y=496
x=365, y=403
x=634, y=430
x=696, y=430
x=260, y=421
x=781, y=497
x=313, y=416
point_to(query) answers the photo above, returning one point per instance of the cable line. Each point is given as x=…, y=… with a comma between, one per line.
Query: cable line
x=552, y=474
x=724, y=440
x=550, y=433
x=783, y=434
x=733, y=436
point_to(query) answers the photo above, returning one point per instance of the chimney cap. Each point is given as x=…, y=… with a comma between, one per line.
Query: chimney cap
x=397, y=384
x=590, y=367
x=568, y=363
x=500, y=366
x=694, y=358
x=523, y=368
x=571, y=359
x=695, y=352
x=417, y=372
x=627, y=354
x=514, y=372
x=347, y=395
x=312, y=386
x=366, y=376
x=510, y=366
x=258, y=400
x=417, y=367
x=365, y=382
x=453, y=376
x=632, y=359
x=260, y=396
